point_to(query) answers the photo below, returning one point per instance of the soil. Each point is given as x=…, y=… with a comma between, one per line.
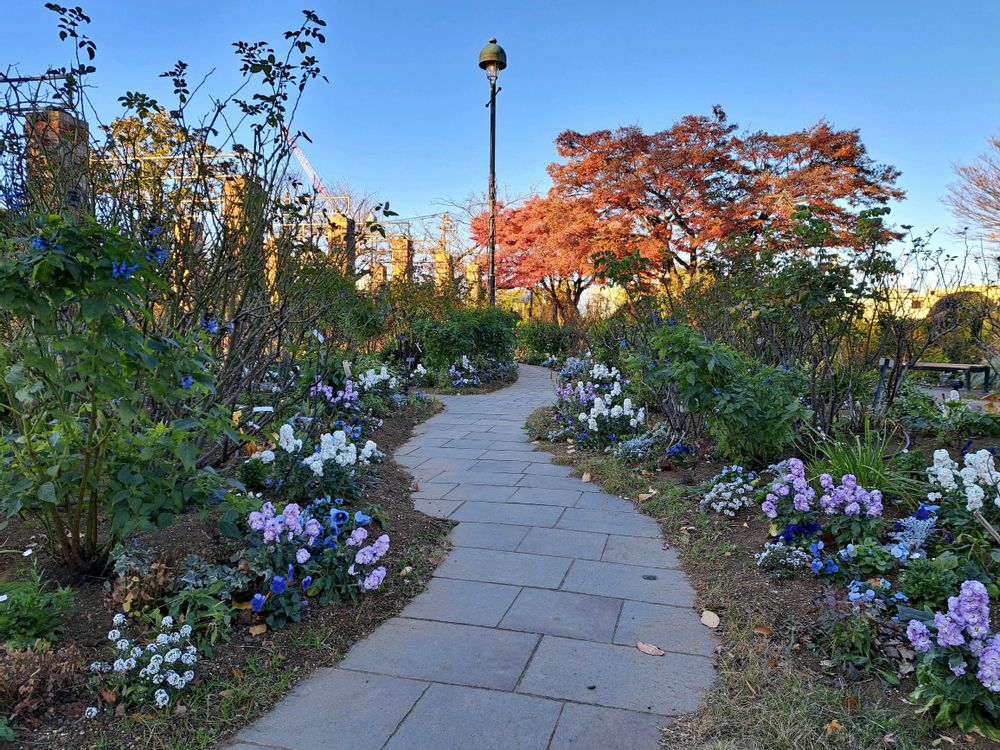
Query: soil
x=417, y=543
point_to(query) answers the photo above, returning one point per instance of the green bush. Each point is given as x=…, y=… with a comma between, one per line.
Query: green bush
x=751, y=409
x=475, y=332
x=102, y=425
x=538, y=338
x=32, y=611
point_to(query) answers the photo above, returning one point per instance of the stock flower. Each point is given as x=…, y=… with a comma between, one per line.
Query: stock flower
x=949, y=631
x=988, y=673
x=302, y=556
x=920, y=636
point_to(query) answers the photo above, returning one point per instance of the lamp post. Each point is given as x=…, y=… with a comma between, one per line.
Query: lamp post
x=493, y=59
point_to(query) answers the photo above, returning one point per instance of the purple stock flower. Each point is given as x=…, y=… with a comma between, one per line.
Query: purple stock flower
x=949, y=631
x=988, y=673
x=302, y=556
x=920, y=636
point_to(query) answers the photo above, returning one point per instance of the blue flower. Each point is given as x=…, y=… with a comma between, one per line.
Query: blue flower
x=278, y=585
x=306, y=583
x=186, y=382
x=339, y=516
x=122, y=270
x=816, y=565
x=331, y=541
x=361, y=519
x=830, y=566
x=37, y=243
x=210, y=325
x=257, y=603
x=291, y=571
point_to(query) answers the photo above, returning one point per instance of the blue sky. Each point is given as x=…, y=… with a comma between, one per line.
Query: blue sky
x=403, y=114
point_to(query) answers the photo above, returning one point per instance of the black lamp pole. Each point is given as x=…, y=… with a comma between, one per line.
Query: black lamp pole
x=493, y=59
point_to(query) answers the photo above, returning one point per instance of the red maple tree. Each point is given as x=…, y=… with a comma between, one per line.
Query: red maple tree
x=681, y=194
x=547, y=243
x=701, y=186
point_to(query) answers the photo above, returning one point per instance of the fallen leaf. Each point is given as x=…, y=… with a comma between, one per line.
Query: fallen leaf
x=406, y=571
x=762, y=631
x=237, y=673
x=834, y=727
x=643, y=497
x=851, y=703
x=259, y=629
x=414, y=487
x=586, y=476
x=649, y=649
x=108, y=696
x=709, y=619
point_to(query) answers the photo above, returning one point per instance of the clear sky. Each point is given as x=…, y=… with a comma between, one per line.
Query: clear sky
x=403, y=114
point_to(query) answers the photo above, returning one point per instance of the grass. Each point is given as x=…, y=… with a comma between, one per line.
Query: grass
x=761, y=702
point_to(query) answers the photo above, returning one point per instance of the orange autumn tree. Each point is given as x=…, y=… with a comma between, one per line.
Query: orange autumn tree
x=702, y=187
x=547, y=244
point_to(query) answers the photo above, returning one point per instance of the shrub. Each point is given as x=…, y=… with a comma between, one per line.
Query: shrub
x=95, y=401
x=539, y=338
x=31, y=611
x=473, y=332
x=751, y=409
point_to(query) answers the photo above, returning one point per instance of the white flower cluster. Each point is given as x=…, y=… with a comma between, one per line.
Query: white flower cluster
x=420, y=370
x=371, y=379
x=732, y=489
x=338, y=449
x=167, y=661
x=604, y=412
x=266, y=457
x=979, y=477
x=781, y=560
x=287, y=440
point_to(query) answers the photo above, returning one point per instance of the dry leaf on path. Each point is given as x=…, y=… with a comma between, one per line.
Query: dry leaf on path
x=259, y=629
x=586, y=476
x=709, y=619
x=762, y=631
x=649, y=649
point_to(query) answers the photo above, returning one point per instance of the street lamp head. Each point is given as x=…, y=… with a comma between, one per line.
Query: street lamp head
x=492, y=59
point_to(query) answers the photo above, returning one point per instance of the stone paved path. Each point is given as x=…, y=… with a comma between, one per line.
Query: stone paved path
x=525, y=637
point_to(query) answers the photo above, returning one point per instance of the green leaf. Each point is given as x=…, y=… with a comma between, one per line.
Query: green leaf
x=47, y=493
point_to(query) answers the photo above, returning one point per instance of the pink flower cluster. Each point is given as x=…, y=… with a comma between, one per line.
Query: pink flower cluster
x=849, y=497
x=792, y=484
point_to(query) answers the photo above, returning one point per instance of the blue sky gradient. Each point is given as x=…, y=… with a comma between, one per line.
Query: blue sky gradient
x=403, y=114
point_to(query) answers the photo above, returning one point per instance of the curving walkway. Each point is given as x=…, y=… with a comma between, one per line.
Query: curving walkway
x=525, y=637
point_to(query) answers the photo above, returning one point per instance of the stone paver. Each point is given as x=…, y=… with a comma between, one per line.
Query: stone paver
x=444, y=652
x=616, y=676
x=489, y=535
x=525, y=636
x=460, y=717
x=465, y=602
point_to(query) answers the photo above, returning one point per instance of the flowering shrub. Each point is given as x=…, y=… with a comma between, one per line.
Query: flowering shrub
x=151, y=675
x=317, y=551
x=732, y=489
x=958, y=677
x=92, y=448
